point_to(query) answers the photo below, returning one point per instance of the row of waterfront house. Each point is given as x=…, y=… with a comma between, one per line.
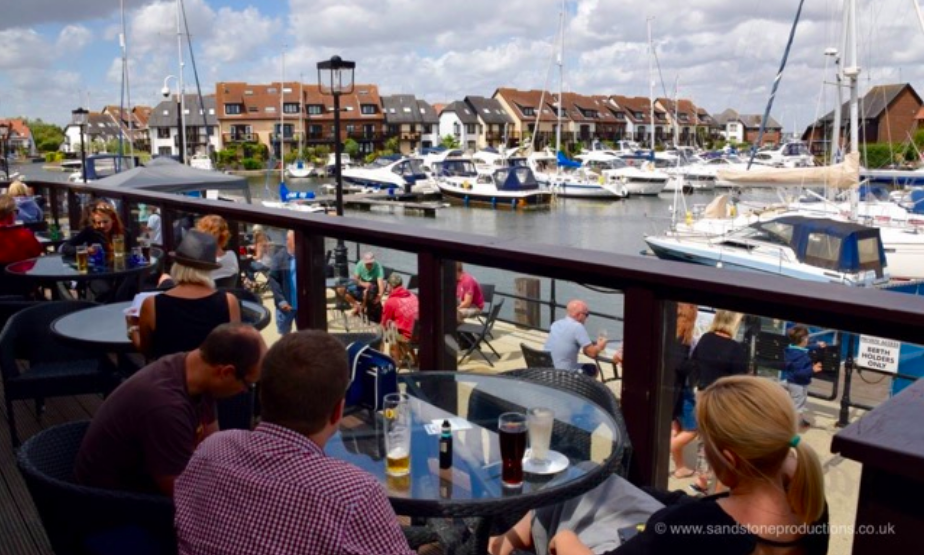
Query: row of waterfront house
x=283, y=116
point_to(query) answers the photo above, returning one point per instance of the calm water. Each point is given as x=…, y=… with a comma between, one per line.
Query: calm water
x=611, y=226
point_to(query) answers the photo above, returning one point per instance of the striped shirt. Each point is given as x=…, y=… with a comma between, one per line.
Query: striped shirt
x=275, y=491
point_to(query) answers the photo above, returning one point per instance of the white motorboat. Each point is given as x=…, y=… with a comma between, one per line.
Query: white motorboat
x=813, y=249
x=201, y=161
x=299, y=169
x=636, y=180
x=391, y=172
x=514, y=188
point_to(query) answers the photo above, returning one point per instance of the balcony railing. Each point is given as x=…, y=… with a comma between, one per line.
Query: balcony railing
x=239, y=137
x=649, y=287
x=410, y=136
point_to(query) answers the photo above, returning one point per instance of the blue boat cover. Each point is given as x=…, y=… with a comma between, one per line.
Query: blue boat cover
x=564, y=162
x=458, y=168
x=830, y=244
x=515, y=179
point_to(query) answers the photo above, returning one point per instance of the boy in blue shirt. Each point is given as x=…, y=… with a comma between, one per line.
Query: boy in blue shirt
x=798, y=370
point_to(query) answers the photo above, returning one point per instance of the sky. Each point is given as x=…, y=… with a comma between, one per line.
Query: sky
x=57, y=55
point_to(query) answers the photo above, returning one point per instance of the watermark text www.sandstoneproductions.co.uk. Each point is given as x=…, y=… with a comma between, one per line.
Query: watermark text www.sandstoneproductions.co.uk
x=770, y=531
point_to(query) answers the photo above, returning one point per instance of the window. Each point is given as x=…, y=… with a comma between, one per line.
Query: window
x=471, y=129
x=271, y=90
x=428, y=128
x=528, y=111
x=163, y=132
x=822, y=250
x=406, y=110
x=620, y=116
x=350, y=129
x=315, y=109
x=368, y=109
x=637, y=115
x=291, y=108
x=270, y=109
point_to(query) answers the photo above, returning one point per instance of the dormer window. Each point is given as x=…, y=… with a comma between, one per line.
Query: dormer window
x=368, y=109
x=315, y=109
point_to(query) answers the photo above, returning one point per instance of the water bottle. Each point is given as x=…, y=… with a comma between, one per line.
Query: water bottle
x=98, y=258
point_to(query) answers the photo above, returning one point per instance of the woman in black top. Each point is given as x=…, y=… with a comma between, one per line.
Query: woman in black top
x=776, y=499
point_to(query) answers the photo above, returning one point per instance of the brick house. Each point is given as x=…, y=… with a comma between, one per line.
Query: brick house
x=887, y=113
x=745, y=128
x=614, y=123
x=251, y=113
x=530, y=117
x=413, y=121
x=638, y=113
x=19, y=138
x=494, y=121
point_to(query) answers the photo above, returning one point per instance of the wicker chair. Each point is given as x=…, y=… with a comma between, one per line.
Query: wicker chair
x=80, y=519
x=54, y=368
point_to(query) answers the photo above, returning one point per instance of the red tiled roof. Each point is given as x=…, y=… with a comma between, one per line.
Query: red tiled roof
x=18, y=127
x=255, y=100
x=529, y=99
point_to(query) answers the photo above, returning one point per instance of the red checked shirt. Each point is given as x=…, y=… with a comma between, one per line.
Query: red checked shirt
x=275, y=491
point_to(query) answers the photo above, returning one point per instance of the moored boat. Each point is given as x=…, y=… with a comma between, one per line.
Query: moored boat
x=514, y=188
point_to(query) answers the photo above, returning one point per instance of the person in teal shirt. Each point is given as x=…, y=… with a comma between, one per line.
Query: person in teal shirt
x=367, y=285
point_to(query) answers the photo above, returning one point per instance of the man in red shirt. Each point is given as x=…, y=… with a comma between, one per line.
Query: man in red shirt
x=469, y=294
x=16, y=242
x=400, y=312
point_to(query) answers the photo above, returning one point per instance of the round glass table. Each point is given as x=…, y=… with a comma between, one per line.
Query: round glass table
x=103, y=327
x=585, y=433
x=56, y=267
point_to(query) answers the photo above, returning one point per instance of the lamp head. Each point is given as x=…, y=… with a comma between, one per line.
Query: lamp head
x=165, y=92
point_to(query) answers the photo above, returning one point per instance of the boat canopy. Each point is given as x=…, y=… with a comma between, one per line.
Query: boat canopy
x=458, y=168
x=564, y=162
x=840, y=246
x=515, y=179
x=169, y=176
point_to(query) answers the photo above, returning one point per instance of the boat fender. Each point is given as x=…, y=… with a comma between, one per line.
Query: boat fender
x=600, y=180
x=466, y=185
x=513, y=203
x=522, y=202
x=494, y=202
x=689, y=218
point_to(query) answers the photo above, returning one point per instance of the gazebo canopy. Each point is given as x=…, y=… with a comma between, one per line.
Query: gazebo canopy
x=169, y=176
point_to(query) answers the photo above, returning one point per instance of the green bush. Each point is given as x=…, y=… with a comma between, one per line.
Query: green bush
x=50, y=157
x=252, y=164
x=878, y=155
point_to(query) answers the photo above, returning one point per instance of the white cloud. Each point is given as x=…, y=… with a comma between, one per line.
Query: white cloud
x=72, y=39
x=239, y=34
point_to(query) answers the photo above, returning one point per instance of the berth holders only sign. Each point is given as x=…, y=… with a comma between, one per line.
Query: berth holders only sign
x=878, y=354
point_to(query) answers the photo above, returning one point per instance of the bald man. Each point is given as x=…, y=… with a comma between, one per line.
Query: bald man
x=568, y=337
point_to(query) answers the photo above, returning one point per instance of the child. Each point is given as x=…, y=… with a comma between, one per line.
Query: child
x=798, y=370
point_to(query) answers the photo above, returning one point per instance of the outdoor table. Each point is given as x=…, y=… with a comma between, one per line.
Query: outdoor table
x=53, y=268
x=103, y=327
x=583, y=431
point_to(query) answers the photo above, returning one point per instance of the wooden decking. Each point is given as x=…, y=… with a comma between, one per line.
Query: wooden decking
x=21, y=531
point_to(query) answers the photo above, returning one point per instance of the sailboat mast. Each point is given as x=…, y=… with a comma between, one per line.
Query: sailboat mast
x=181, y=103
x=651, y=86
x=559, y=61
x=282, y=113
x=301, y=117
x=852, y=70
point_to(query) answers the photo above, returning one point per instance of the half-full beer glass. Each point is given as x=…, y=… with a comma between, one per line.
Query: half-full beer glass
x=396, y=412
x=82, y=258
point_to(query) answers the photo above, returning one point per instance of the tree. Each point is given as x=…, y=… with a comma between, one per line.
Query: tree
x=352, y=148
x=47, y=137
x=449, y=141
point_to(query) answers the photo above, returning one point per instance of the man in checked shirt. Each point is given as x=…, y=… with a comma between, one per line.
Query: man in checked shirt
x=273, y=490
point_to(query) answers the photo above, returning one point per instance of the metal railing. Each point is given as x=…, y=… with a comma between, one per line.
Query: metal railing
x=650, y=287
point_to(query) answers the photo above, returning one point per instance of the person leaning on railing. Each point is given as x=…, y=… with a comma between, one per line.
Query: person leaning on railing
x=775, y=502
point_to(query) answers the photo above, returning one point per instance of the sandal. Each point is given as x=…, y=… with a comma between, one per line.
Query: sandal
x=687, y=474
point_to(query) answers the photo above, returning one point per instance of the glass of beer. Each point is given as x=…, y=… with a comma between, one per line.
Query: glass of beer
x=539, y=426
x=118, y=245
x=82, y=258
x=396, y=411
x=512, y=436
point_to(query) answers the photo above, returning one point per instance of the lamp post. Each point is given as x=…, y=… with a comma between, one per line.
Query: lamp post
x=335, y=77
x=79, y=117
x=181, y=127
x=4, y=134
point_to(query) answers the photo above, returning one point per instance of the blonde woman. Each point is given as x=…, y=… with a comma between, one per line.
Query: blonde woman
x=775, y=502
x=29, y=211
x=228, y=273
x=180, y=319
x=716, y=355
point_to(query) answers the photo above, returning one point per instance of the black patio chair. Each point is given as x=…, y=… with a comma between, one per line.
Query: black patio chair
x=472, y=336
x=259, y=321
x=536, y=358
x=51, y=368
x=80, y=519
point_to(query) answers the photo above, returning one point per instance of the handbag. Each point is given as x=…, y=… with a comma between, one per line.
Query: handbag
x=373, y=375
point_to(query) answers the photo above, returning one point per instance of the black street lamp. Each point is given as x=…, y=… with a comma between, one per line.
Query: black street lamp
x=335, y=77
x=80, y=116
x=4, y=135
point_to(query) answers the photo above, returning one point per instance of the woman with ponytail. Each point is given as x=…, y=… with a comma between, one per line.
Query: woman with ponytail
x=775, y=503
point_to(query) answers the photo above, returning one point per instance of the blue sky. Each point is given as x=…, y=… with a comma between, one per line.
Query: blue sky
x=722, y=53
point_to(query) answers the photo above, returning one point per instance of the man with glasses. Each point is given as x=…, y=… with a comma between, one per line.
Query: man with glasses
x=145, y=432
x=568, y=337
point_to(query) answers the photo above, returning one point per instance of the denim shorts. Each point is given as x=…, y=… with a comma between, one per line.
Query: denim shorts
x=687, y=419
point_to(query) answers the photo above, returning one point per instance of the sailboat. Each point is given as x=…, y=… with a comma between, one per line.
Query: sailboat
x=298, y=168
x=899, y=231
